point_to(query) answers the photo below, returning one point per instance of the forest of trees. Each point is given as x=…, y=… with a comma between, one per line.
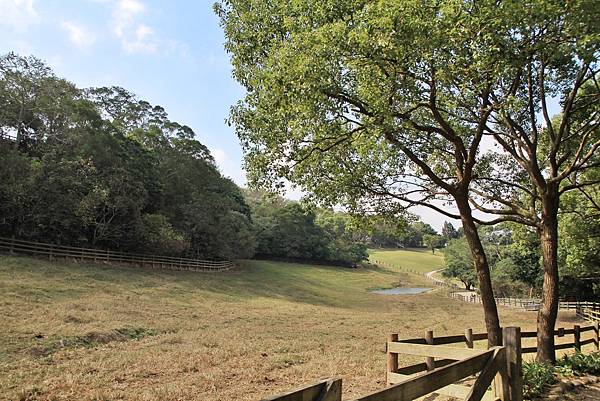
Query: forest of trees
x=99, y=167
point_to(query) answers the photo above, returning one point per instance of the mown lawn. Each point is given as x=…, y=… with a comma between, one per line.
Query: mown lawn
x=91, y=332
x=417, y=259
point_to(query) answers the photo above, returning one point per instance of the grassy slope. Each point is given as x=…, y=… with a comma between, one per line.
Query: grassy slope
x=243, y=334
x=420, y=260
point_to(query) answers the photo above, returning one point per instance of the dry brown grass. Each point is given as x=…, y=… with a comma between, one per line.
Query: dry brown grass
x=82, y=332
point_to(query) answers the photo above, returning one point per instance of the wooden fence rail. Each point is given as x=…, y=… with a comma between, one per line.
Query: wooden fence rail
x=435, y=281
x=469, y=338
x=590, y=314
x=16, y=246
x=445, y=366
x=529, y=303
x=500, y=365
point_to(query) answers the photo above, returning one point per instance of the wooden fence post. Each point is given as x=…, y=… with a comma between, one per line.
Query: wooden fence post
x=511, y=339
x=597, y=335
x=325, y=390
x=429, y=361
x=469, y=337
x=392, y=358
x=577, y=337
x=12, y=245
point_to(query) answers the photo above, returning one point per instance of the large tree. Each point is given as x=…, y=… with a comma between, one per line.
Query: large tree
x=372, y=104
x=553, y=59
x=362, y=101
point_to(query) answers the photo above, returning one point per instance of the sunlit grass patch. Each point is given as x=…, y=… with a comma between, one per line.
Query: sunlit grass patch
x=240, y=335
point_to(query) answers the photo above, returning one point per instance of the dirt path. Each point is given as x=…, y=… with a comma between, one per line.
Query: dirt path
x=590, y=392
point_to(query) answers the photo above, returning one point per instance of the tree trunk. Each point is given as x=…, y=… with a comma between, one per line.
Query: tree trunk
x=548, y=232
x=492, y=322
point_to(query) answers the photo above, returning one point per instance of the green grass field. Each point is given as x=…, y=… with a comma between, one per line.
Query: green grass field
x=417, y=259
x=92, y=332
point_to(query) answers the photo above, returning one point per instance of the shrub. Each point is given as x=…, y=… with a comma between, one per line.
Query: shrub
x=536, y=377
x=579, y=364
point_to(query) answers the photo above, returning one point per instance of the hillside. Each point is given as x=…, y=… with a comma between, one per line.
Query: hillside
x=417, y=259
x=82, y=332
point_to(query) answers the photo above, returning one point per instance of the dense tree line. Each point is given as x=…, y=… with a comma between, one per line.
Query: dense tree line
x=516, y=262
x=288, y=230
x=384, y=232
x=101, y=168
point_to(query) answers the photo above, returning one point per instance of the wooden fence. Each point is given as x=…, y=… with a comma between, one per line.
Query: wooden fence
x=448, y=361
x=469, y=338
x=15, y=246
x=591, y=314
x=434, y=281
x=524, y=303
x=324, y=390
x=529, y=303
x=500, y=365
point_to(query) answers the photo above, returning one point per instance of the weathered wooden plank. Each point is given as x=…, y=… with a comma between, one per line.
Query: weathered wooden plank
x=439, y=340
x=422, y=367
x=449, y=340
x=413, y=341
x=451, y=390
x=417, y=386
x=429, y=361
x=392, y=359
x=486, y=376
x=324, y=390
x=511, y=339
x=435, y=351
x=588, y=341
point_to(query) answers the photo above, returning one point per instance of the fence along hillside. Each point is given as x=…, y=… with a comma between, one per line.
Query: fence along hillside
x=51, y=251
x=530, y=303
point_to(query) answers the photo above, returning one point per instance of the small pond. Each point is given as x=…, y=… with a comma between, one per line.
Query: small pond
x=402, y=290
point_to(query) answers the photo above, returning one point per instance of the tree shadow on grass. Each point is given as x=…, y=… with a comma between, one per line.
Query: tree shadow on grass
x=312, y=284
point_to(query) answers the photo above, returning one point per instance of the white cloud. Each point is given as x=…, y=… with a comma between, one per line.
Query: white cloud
x=18, y=15
x=220, y=156
x=124, y=14
x=141, y=40
x=229, y=167
x=78, y=35
x=135, y=37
